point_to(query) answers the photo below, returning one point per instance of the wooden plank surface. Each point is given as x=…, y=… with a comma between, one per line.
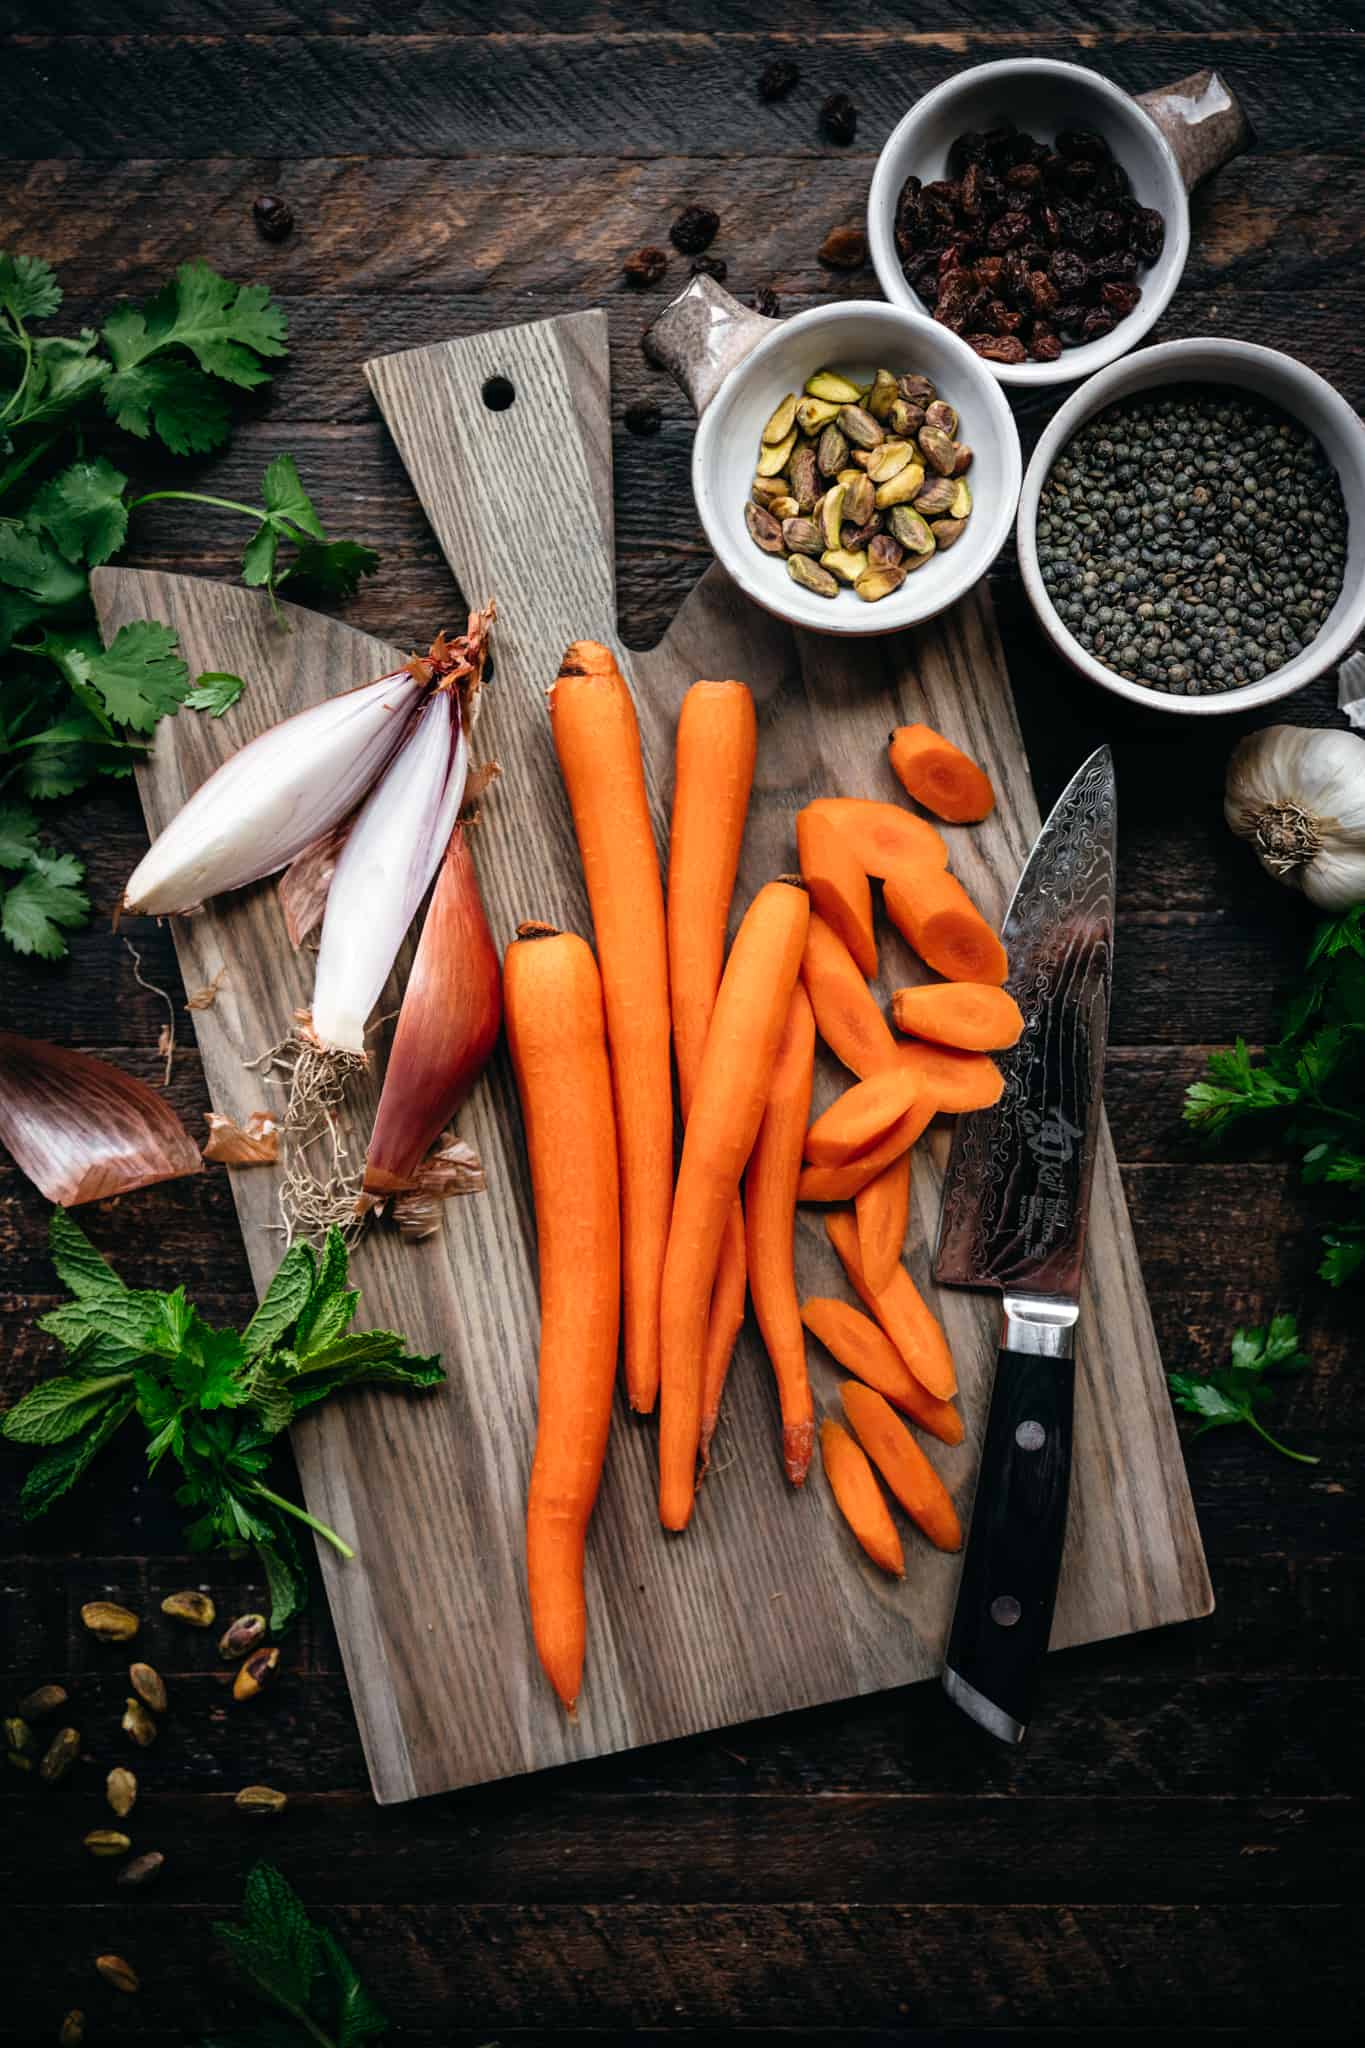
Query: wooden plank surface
x=764, y=1605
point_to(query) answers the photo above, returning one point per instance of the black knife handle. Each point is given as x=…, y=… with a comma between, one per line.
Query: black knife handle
x=1008, y=1587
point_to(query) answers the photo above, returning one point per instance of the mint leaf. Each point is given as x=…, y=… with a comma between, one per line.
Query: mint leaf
x=140, y=676
x=60, y=1408
x=354, y=2016
x=79, y=1266
x=215, y=691
x=285, y=1578
x=58, y=1472
x=35, y=909
x=284, y=1300
x=28, y=288
x=331, y=1304
x=274, y=1945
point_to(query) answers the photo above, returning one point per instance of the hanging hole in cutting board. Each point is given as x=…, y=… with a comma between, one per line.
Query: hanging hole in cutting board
x=499, y=393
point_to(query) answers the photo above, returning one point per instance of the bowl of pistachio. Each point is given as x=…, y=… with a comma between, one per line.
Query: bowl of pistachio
x=856, y=467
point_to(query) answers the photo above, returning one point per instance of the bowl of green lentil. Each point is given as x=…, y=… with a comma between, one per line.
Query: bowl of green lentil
x=1191, y=528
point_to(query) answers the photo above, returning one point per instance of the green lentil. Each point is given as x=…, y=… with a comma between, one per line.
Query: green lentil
x=1192, y=539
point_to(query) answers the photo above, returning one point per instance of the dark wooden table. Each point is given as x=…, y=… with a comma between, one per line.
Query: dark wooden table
x=1171, y=1855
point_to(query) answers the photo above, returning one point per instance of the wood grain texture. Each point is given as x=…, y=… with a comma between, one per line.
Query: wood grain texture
x=763, y=1607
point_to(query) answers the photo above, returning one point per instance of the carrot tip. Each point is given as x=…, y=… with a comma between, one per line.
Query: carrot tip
x=798, y=1444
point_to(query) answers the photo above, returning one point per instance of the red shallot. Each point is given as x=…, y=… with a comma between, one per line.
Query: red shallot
x=83, y=1130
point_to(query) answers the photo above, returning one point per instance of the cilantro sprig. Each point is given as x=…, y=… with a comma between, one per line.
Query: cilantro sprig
x=1241, y=1390
x=299, y=1968
x=72, y=710
x=1312, y=1082
x=213, y=1401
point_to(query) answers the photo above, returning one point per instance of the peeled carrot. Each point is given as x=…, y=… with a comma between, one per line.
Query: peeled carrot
x=940, y=776
x=838, y=887
x=971, y=1015
x=957, y=1080
x=859, y=1498
x=727, y=1109
x=862, y=1115
x=556, y=1032
x=862, y=1348
x=847, y=1015
x=903, y=1465
x=842, y=1183
x=881, y=837
x=883, y=1212
x=900, y=1309
x=597, y=739
x=770, y=1220
x=935, y=914
x=713, y=775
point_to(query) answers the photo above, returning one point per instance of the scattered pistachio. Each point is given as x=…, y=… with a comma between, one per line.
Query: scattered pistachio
x=890, y=459
x=120, y=1791
x=148, y=1684
x=138, y=1723
x=859, y=498
x=250, y=1629
x=764, y=530
x=936, y=496
x=884, y=552
x=938, y=413
x=110, y=1622
x=17, y=1761
x=71, y=2032
x=107, y=1842
x=59, y=1755
x=874, y=584
x=116, y=1970
x=142, y=1869
x=814, y=413
x=257, y=1672
x=962, y=499
x=772, y=461
x=803, y=536
x=191, y=1606
x=847, y=567
x=811, y=576
x=45, y=1699
x=262, y=1799
x=18, y=1734
x=881, y=395
x=831, y=451
x=830, y=385
x=946, y=531
x=902, y=487
x=781, y=423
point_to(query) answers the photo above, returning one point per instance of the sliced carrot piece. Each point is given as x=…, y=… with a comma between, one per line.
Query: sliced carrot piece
x=847, y=1015
x=859, y=1117
x=934, y=913
x=971, y=1015
x=861, y=1347
x=882, y=837
x=957, y=1081
x=838, y=887
x=940, y=776
x=903, y=1465
x=859, y=1498
x=883, y=1212
x=842, y=1183
x=900, y=1309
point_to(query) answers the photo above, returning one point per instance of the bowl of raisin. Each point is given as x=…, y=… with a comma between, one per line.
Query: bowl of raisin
x=1042, y=213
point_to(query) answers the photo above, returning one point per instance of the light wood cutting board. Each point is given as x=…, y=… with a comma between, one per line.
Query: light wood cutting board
x=765, y=1604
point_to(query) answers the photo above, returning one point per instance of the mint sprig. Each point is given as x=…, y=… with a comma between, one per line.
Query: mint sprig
x=297, y=1967
x=212, y=1401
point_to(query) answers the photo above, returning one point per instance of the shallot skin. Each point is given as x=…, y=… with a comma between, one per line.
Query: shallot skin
x=276, y=795
x=83, y=1130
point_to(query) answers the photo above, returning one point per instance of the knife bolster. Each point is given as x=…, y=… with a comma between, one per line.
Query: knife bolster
x=1040, y=1325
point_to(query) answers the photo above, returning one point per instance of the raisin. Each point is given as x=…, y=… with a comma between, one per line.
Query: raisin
x=1014, y=275
x=1052, y=168
x=1079, y=226
x=694, y=229
x=1010, y=228
x=839, y=118
x=1045, y=345
x=1003, y=319
x=776, y=80
x=1118, y=266
x=644, y=417
x=1097, y=323
x=974, y=178
x=940, y=202
x=949, y=260
x=997, y=348
x=844, y=249
x=1024, y=178
x=968, y=149
x=1082, y=142
x=988, y=272
x=646, y=266
x=710, y=266
x=997, y=146
x=1148, y=233
x=1042, y=292
x=1051, y=222
x=1069, y=272
x=274, y=218
x=1081, y=179
x=1120, y=299
x=766, y=302
x=954, y=303
x=1111, y=229
x=1071, y=316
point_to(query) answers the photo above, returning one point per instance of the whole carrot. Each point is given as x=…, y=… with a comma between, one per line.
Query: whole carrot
x=597, y=739
x=770, y=1221
x=727, y=1109
x=713, y=775
x=556, y=1033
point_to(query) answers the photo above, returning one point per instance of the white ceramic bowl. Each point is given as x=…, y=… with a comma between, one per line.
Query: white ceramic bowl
x=1040, y=97
x=1296, y=390
x=855, y=337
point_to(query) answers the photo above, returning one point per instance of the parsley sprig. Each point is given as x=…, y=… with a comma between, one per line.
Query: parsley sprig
x=211, y=1400
x=1312, y=1081
x=297, y=1967
x=1238, y=1391
x=72, y=710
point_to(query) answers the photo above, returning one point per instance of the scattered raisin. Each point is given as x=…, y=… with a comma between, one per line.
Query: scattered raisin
x=839, y=118
x=710, y=266
x=273, y=216
x=766, y=302
x=844, y=249
x=644, y=417
x=694, y=229
x=777, y=79
x=646, y=266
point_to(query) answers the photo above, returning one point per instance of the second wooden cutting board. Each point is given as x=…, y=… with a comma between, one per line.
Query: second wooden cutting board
x=766, y=1604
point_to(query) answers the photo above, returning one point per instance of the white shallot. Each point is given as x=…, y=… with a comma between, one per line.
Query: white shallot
x=1299, y=796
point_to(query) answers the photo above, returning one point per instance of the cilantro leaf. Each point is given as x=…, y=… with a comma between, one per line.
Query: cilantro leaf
x=1231, y=1394
x=287, y=500
x=224, y=327
x=215, y=691
x=18, y=835
x=34, y=566
x=174, y=400
x=28, y=288
x=82, y=509
x=140, y=677
x=44, y=901
x=335, y=567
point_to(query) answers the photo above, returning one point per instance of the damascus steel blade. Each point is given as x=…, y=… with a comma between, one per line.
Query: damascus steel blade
x=1018, y=1187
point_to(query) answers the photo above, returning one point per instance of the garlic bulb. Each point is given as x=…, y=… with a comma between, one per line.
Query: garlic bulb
x=1299, y=796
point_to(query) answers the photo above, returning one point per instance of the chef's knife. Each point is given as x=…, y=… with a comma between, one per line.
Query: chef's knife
x=1014, y=1214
